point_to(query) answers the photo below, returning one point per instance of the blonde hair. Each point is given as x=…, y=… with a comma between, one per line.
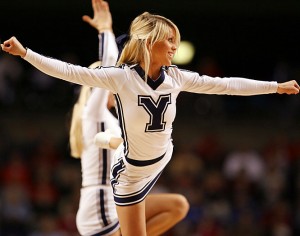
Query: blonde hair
x=75, y=134
x=145, y=30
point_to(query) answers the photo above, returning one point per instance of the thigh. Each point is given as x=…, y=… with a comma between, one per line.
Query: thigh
x=132, y=219
x=165, y=202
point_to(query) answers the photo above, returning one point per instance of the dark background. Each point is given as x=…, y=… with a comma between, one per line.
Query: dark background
x=246, y=37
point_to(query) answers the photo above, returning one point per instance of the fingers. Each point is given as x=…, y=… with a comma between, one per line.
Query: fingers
x=94, y=4
x=296, y=84
x=105, y=6
x=14, y=47
x=97, y=5
x=7, y=45
x=100, y=5
x=87, y=19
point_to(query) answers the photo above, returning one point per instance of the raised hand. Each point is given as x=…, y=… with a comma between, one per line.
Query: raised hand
x=102, y=19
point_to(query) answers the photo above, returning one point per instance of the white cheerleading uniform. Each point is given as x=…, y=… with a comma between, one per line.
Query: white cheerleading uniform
x=146, y=110
x=97, y=211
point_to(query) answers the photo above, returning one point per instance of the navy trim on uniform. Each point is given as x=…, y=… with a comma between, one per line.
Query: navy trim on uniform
x=144, y=163
x=107, y=231
x=104, y=159
x=134, y=198
x=122, y=123
x=102, y=208
x=101, y=47
x=116, y=170
x=154, y=84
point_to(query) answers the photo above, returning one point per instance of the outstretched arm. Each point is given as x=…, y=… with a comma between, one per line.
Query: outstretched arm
x=193, y=82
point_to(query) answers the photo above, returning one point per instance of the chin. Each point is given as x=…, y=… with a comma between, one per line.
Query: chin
x=168, y=63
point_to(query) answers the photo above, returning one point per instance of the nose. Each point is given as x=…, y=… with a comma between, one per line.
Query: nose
x=174, y=47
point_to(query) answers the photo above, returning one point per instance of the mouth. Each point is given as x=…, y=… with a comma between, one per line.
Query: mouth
x=171, y=55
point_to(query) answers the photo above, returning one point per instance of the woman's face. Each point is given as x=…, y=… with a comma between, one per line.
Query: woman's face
x=163, y=51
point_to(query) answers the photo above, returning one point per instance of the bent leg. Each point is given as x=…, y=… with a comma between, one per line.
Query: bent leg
x=132, y=219
x=163, y=211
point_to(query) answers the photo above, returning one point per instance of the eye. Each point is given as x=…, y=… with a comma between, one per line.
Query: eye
x=171, y=40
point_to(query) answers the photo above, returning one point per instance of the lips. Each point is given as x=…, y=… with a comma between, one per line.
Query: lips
x=171, y=54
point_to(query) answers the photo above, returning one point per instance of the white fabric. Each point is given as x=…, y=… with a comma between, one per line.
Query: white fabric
x=102, y=139
x=135, y=98
x=128, y=85
x=141, y=179
x=90, y=217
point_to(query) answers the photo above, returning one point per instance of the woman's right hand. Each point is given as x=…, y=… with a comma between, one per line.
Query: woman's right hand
x=14, y=47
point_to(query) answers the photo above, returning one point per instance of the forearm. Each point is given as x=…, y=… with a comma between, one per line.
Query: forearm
x=65, y=71
x=108, y=50
x=233, y=86
x=242, y=86
x=115, y=142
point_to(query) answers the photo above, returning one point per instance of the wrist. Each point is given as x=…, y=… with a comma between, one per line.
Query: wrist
x=101, y=30
x=278, y=88
x=23, y=53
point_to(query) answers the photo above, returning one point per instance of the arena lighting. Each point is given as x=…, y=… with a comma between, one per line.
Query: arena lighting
x=184, y=54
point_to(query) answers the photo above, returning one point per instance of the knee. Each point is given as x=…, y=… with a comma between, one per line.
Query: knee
x=182, y=206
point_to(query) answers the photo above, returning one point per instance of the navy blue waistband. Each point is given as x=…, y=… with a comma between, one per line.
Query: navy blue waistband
x=144, y=163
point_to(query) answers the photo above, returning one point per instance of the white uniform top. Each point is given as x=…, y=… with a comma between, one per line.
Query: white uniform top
x=147, y=109
x=95, y=162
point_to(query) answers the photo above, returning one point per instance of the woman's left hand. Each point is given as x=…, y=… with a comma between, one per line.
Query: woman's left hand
x=289, y=87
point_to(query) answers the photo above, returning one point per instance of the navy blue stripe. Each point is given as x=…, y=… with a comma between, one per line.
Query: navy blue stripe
x=102, y=208
x=138, y=197
x=122, y=123
x=104, y=159
x=144, y=163
x=107, y=231
x=116, y=169
x=101, y=47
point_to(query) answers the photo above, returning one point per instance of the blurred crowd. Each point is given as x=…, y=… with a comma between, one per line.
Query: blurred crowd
x=241, y=189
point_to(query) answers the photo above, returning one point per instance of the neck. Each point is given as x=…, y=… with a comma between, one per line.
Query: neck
x=154, y=71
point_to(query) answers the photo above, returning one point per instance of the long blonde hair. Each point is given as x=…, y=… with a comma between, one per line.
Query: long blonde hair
x=145, y=30
x=75, y=134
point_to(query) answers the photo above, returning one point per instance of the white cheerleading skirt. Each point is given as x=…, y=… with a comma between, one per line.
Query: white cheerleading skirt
x=97, y=211
x=132, y=179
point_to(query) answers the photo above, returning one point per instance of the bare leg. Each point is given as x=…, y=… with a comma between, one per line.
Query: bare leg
x=132, y=219
x=163, y=211
x=118, y=233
